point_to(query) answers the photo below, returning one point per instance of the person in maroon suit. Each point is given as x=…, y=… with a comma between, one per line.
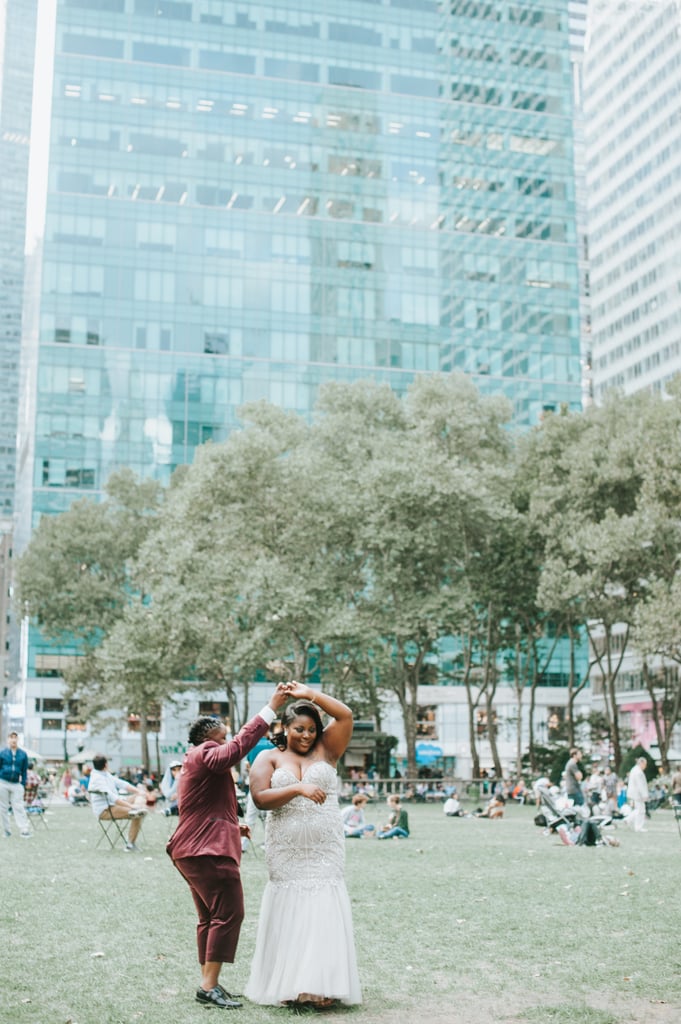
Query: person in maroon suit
x=206, y=845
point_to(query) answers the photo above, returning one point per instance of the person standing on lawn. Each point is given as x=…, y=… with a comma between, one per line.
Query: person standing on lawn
x=637, y=794
x=573, y=778
x=305, y=949
x=13, y=771
x=206, y=845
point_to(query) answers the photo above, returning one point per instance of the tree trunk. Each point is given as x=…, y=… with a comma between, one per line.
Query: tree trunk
x=144, y=739
x=533, y=693
x=412, y=682
x=300, y=659
x=609, y=673
x=475, y=756
x=536, y=674
x=661, y=732
x=570, y=706
x=519, y=688
x=490, y=688
x=472, y=704
x=492, y=733
x=609, y=682
x=246, y=700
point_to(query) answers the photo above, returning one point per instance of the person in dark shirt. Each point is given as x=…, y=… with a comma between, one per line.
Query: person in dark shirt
x=206, y=846
x=13, y=771
x=573, y=777
x=398, y=821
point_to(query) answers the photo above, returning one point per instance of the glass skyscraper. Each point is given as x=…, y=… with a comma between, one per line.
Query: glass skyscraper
x=17, y=43
x=633, y=85
x=247, y=199
x=244, y=200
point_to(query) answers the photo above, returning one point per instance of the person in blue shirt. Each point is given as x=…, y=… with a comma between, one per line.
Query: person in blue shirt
x=13, y=771
x=251, y=812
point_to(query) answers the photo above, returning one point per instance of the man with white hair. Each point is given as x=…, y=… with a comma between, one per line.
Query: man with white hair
x=637, y=795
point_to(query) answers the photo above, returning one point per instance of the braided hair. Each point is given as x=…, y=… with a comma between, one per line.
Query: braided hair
x=200, y=727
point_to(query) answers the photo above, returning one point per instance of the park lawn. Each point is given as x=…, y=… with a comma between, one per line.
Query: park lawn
x=468, y=920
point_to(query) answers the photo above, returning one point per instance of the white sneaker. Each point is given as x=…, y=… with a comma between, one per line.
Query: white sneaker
x=130, y=848
x=25, y=835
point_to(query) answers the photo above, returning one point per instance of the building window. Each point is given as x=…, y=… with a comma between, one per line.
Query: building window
x=426, y=724
x=153, y=720
x=482, y=724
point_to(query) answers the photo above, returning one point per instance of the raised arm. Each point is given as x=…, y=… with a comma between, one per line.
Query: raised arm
x=266, y=798
x=338, y=732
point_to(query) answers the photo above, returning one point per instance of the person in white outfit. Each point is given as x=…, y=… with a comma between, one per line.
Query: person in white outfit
x=637, y=794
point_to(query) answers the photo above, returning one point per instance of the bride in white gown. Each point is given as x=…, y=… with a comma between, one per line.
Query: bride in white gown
x=305, y=952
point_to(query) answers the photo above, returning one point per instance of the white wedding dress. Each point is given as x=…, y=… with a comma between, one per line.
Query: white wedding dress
x=305, y=943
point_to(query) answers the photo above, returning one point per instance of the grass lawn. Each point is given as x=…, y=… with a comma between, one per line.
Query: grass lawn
x=469, y=921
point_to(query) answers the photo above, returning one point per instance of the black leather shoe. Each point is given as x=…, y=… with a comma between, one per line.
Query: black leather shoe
x=215, y=998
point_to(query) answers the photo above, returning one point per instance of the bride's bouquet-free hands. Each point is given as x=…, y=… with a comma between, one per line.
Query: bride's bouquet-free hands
x=299, y=691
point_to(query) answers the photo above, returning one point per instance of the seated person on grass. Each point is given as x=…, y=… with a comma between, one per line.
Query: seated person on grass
x=354, y=825
x=452, y=807
x=398, y=822
x=494, y=809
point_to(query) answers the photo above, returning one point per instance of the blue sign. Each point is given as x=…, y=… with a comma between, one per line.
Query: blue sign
x=426, y=753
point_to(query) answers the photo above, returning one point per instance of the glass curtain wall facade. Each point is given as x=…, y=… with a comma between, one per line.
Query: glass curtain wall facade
x=17, y=44
x=247, y=199
x=632, y=89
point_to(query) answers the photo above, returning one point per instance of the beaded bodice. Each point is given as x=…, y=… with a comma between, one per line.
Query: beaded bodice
x=304, y=840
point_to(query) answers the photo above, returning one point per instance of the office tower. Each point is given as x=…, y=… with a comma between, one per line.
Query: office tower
x=245, y=200
x=242, y=204
x=507, y=243
x=17, y=43
x=632, y=83
x=578, y=11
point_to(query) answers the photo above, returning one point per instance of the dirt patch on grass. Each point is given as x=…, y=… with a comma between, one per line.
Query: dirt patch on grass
x=597, y=1008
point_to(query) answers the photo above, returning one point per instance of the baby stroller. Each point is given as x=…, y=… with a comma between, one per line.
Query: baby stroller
x=553, y=816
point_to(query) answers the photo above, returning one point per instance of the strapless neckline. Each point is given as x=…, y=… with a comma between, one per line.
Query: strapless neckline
x=289, y=771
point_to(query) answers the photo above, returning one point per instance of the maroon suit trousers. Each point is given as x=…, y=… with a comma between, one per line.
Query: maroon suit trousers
x=215, y=885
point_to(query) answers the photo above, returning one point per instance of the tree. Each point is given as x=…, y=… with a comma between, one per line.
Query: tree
x=631, y=757
x=133, y=668
x=306, y=544
x=656, y=627
x=76, y=578
x=425, y=478
x=588, y=502
x=657, y=633
x=258, y=565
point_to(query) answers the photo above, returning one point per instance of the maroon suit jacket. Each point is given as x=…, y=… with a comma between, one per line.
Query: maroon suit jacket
x=209, y=824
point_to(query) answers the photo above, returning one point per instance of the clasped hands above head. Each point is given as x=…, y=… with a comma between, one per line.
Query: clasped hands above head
x=285, y=690
x=300, y=690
